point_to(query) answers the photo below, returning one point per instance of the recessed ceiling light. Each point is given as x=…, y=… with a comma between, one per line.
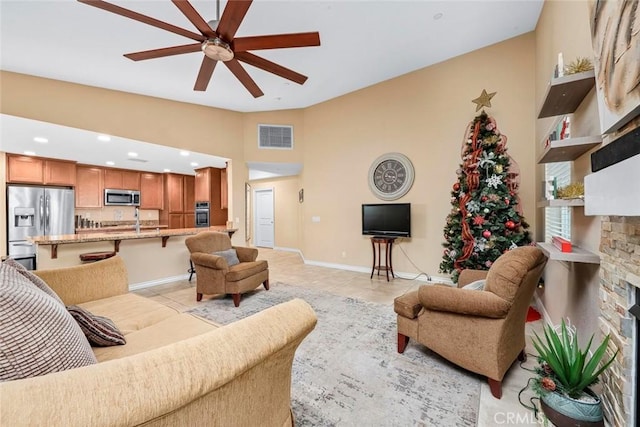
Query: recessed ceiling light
x=194, y=164
x=438, y=16
x=166, y=170
x=41, y=139
x=30, y=153
x=110, y=163
x=184, y=153
x=104, y=138
x=132, y=154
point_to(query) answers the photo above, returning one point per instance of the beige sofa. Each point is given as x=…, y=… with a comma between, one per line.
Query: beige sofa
x=175, y=369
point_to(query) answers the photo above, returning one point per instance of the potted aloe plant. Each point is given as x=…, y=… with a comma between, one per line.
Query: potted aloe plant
x=565, y=375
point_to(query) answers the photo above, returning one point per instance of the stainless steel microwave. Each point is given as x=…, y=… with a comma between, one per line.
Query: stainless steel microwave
x=121, y=197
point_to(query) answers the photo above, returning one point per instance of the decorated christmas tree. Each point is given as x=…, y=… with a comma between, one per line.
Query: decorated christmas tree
x=485, y=219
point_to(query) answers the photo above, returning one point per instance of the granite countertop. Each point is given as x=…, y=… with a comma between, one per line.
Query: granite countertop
x=124, y=235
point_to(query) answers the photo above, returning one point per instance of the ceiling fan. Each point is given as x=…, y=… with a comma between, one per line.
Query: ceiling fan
x=219, y=43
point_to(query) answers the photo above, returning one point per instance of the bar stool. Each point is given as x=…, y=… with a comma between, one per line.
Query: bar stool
x=95, y=256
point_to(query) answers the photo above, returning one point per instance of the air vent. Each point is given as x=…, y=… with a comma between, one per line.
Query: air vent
x=138, y=160
x=278, y=137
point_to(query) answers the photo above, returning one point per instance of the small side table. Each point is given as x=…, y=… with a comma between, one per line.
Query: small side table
x=376, y=245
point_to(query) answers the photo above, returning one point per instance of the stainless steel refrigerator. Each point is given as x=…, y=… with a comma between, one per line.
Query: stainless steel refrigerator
x=36, y=211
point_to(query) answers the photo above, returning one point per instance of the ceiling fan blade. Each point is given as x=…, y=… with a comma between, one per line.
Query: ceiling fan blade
x=195, y=18
x=244, y=77
x=204, y=75
x=277, y=41
x=232, y=17
x=142, y=18
x=165, y=51
x=271, y=67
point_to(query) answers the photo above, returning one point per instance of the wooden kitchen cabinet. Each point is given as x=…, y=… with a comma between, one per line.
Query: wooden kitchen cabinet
x=59, y=172
x=38, y=170
x=121, y=179
x=179, y=196
x=151, y=191
x=208, y=185
x=89, y=186
x=25, y=169
x=224, y=189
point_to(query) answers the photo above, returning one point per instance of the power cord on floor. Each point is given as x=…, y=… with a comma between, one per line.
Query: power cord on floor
x=533, y=406
x=422, y=273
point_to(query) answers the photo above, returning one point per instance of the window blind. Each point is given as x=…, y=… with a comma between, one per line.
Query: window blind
x=557, y=220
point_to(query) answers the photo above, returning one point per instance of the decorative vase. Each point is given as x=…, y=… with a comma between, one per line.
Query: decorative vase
x=564, y=411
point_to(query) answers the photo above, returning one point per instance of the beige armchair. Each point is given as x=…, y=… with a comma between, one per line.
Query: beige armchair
x=213, y=273
x=479, y=330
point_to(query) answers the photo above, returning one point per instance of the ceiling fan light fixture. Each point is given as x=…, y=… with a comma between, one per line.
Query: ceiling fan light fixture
x=217, y=50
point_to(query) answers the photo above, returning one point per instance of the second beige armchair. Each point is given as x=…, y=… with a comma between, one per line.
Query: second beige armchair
x=219, y=272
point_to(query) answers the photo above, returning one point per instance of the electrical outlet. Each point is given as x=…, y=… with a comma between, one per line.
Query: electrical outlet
x=344, y=254
x=315, y=219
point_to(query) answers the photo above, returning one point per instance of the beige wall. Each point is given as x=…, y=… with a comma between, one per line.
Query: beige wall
x=423, y=115
x=570, y=288
x=286, y=210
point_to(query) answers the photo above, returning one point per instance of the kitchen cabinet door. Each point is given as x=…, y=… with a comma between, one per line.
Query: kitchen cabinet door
x=189, y=195
x=203, y=185
x=224, y=189
x=175, y=191
x=120, y=179
x=151, y=191
x=130, y=180
x=189, y=220
x=176, y=221
x=89, y=187
x=24, y=169
x=58, y=172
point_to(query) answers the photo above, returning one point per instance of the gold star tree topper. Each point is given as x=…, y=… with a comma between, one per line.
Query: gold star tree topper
x=484, y=100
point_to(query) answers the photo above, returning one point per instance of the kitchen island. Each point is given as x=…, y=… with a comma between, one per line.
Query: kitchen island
x=147, y=262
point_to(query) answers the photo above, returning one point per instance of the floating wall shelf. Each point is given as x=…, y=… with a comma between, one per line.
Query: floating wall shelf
x=559, y=203
x=564, y=94
x=564, y=150
x=577, y=255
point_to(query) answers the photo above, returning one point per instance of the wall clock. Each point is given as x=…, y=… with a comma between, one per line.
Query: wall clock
x=391, y=176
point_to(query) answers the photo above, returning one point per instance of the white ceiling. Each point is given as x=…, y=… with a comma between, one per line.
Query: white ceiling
x=363, y=42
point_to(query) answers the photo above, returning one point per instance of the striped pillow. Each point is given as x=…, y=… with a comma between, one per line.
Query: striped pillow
x=100, y=331
x=37, y=334
x=34, y=279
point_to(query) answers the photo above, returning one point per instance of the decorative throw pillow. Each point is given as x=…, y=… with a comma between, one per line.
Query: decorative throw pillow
x=478, y=285
x=230, y=255
x=34, y=279
x=38, y=335
x=99, y=330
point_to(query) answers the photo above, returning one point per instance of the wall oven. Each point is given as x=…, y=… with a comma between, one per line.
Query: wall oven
x=202, y=214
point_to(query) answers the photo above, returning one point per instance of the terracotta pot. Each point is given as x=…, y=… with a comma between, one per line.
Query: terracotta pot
x=563, y=411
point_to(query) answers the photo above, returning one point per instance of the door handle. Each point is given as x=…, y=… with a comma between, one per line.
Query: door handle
x=22, y=244
x=47, y=220
x=42, y=215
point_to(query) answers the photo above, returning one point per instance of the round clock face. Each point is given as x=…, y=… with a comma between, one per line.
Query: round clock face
x=391, y=176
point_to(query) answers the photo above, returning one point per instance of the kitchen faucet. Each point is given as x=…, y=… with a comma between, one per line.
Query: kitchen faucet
x=137, y=215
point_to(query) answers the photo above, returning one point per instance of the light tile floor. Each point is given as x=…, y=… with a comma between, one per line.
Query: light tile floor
x=288, y=267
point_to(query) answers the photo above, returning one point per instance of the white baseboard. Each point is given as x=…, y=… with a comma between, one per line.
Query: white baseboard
x=298, y=251
x=150, y=283
x=542, y=310
x=358, y=269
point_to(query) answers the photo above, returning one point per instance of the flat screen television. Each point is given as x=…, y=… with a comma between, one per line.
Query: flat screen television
x=386, y=219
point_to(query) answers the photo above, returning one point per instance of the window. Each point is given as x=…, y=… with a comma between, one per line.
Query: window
x=557, y=220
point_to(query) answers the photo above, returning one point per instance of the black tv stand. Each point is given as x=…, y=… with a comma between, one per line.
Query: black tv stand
x=376, y=245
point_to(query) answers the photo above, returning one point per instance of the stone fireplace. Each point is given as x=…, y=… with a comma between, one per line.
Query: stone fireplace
x=619, y=288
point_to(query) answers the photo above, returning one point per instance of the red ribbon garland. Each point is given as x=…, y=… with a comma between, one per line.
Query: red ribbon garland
x=473, y=181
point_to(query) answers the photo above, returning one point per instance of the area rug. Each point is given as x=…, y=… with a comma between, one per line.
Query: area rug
x=347, y=372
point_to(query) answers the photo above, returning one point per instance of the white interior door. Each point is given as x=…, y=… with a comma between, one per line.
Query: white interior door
x=264, y=229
